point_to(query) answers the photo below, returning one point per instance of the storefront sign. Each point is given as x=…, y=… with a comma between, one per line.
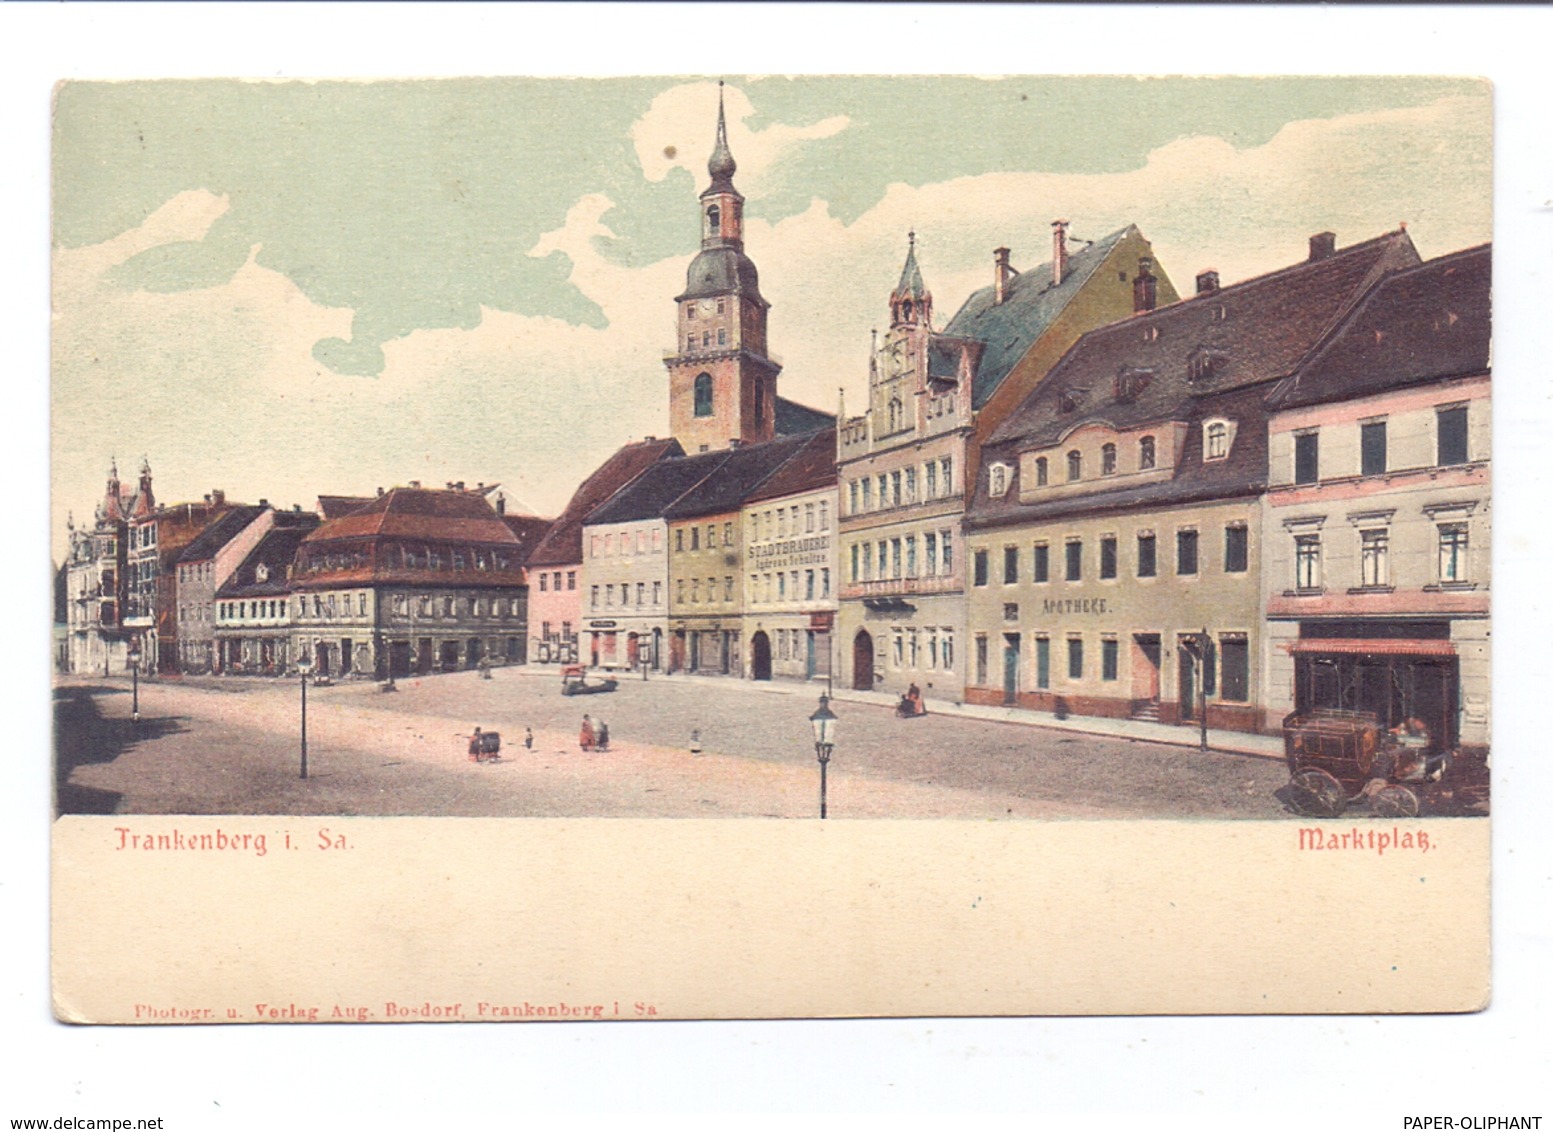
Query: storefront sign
x=1075, y=605
x=602, y=624
x=813, y=551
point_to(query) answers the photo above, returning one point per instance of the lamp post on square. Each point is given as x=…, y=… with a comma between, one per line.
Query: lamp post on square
x=134, y=667
x=305, y=668
x=823, y=722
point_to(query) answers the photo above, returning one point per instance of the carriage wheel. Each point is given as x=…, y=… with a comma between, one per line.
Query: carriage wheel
x=1395, y=802
x=1315, y=793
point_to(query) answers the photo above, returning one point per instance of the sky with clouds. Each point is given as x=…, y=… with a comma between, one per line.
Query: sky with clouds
x=284, y=289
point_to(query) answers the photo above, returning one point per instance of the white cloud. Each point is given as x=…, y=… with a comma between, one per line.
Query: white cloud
x=220, y=384
x=677, y=132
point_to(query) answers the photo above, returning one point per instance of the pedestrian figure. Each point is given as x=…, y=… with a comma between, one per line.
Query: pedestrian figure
x=528, y=738
x=474, y=746
x=585, y=737
x=603, y=739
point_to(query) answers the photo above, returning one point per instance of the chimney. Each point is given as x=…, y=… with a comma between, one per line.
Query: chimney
x=1322, y=244
x=1143, y=295
x=218, y=497
x=207, y=497
x=296, y=508
x=1207, y=282
x=734, y=442
x=459, y=486
x=380, y=493
x=416, y=484
x=264, y=503
x=450, y=485
x=1002, y=275
x=1059, y=251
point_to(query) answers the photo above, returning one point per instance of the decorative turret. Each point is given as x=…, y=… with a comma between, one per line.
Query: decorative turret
x=911, y=303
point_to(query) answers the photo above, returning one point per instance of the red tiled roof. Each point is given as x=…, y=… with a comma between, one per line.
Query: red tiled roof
x=421, y=513
x=813, y=467
x=333, y=506
x=562, y=544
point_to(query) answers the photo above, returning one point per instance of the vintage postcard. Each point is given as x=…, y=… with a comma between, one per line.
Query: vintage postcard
x=740, y=547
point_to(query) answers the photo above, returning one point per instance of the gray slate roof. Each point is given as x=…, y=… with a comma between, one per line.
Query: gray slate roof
x=1031, y=304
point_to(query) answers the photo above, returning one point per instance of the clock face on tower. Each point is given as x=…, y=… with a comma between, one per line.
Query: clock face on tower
x=706, y=307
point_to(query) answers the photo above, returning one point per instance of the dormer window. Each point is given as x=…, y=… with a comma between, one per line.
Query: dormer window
x=1203, y=364
x=1108, y=460
x=1071, y=400
x=1130, y=383
x=1218, y=435
x=1040, y=471
x=1146, y=453
x=997, y=480
x=1075, y=465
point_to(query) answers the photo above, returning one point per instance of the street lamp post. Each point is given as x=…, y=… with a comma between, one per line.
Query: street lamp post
x=824, y=723
x=305, y=668
x=134, y=698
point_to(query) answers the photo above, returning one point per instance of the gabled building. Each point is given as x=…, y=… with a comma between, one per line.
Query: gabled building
x=254, y=611
x=706, y=559
x=1114, y=537
x=904, y=465
x=418, y=581
x=1378, y=511
x=97, y=584
x=789, y=551
x=554, y=567
x=203, y=568
x=625, y=565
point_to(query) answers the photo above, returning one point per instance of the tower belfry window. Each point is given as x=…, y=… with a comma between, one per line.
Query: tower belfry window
x=703, y=395
x=714, y=217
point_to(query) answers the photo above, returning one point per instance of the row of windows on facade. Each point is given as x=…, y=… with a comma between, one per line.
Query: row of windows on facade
x=1450, y=445
x=547, y=634
x=784, y=522
x=690, y=309
x=791, y=644
x=1146, y=562
x=325, y=606
x=413, y=558
x=894, y=558
x=899, y=488
x=794, y=585
x=708, y=339
x=1226, y=675
x=1451, y=546
x=930, y=649
x=937, y=405
x=1216, y=447
x=551, y=580
x=196, y=572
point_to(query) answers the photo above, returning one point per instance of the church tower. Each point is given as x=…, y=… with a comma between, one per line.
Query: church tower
x=722, y=385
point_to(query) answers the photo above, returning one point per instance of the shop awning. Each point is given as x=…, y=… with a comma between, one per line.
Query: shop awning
x=1374, y=646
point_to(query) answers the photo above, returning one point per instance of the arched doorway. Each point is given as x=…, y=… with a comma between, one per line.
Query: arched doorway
x=321, y=659
x=760, y=656
x=863, y=661
x=633, y=651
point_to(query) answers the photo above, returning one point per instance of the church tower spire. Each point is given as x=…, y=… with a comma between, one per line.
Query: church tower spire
x=722, y=385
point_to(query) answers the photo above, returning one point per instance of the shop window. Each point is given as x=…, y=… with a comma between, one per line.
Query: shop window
x=1043, y=662
x=1374, y=559
x=1372, y=448
x=1108, y=557
x=1234, y=668
x=1307, y=562
x=1109, y=653
x=1075, y=658
x=1186, y=552
x=1451, y=435
x=1453, y=553
x=1307, y=457
x=1147, y=561
x=1236, y=554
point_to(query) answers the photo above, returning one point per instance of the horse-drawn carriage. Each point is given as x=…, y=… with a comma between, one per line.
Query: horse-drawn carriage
x=1339, y=758
x=575, y=682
